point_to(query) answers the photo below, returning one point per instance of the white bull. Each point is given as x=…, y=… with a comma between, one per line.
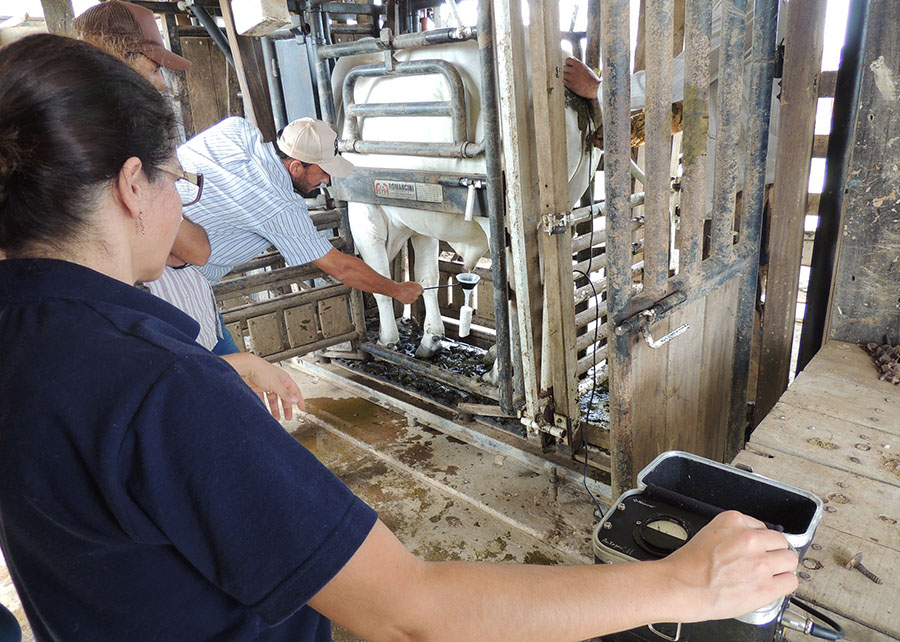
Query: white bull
x=379, y=231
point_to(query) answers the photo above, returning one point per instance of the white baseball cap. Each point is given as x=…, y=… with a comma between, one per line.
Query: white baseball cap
x=313, y=141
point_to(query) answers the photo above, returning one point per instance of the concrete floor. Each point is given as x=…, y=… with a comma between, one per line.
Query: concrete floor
x=445, y=498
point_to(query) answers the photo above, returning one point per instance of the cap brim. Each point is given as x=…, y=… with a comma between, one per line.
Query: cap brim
x=337, y=167
x=166, y=58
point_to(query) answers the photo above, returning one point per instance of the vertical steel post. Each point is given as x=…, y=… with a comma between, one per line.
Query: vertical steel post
x=323, y=72
x=616, y=104
x=494, y=192
x=279, y=113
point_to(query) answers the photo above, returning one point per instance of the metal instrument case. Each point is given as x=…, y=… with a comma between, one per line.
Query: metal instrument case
x=685, y=491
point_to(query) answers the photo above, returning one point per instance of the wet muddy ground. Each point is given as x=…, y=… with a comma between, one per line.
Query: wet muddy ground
x=444, y=498
x=467, y=361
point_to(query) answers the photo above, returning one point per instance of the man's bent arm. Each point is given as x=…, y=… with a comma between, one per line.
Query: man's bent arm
x=191, y=244
x=354, y=272
x=732, y=567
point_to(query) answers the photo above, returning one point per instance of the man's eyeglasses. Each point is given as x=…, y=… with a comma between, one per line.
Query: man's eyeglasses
x=192, y=187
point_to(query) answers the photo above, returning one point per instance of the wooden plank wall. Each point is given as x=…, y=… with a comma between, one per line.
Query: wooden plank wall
x=804, y=36
x=865, y=290
x=211, y=83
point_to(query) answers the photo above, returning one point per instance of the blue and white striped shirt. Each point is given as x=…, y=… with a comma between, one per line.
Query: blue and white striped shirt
x=248, y=201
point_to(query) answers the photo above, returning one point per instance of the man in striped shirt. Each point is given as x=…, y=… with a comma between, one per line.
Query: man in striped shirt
x=249, y=200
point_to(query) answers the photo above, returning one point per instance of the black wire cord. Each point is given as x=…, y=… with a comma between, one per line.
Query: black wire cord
x=597, y=324
x=835, y=632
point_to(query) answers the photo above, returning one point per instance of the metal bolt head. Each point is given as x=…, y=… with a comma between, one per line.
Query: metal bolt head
x=854, y=561
x=621, y=507
x=607, y=525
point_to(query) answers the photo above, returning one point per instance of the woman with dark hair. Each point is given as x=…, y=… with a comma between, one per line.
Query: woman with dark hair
x=145, y=493
x=129, y=32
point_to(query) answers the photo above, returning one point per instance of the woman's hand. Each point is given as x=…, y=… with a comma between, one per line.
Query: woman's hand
x=269, y=382
x=732, y=567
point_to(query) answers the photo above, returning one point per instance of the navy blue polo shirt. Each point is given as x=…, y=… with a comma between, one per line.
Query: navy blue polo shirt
x=145, y=492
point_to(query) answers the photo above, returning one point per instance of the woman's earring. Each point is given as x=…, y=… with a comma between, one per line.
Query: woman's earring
x=141, y=221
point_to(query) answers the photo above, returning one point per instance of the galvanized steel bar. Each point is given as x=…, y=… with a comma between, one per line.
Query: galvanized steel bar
x=593, y=211
x=586, y=340
x=352, y=29
x=361, y=46
x=616, y=106
x=323, y=77
x=439, y=150
x=402, y=41
x=343, y=8
x=279, y=113
x=425, y=369
x=416, y=67
x=312, y=347
x=372, y=110
x=433, y=37
x=698, y=20
x=591, y=314
x=762, y=68
x=658, y=25
x=494, y=192
x=592, y=358
x=728, y=129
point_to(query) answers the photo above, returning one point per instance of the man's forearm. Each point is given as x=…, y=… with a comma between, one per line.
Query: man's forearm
x=357, y=274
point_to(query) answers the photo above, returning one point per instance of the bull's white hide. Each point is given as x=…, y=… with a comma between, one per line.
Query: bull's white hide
x=379, y=231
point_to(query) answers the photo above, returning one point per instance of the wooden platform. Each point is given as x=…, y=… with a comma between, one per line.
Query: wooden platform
x=836, y=433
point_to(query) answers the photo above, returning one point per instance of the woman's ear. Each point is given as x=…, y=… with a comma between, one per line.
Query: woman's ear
x=131, y=185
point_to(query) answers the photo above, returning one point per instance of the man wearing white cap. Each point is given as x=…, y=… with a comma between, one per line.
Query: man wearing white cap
x=249, y=200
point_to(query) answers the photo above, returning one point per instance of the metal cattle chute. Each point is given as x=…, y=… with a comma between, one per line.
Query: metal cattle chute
x=438, y=191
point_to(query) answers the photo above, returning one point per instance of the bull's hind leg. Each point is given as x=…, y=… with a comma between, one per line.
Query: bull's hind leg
x=426, y=249
x=370, y=235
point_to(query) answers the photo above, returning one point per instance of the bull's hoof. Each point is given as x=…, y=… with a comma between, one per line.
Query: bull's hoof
x=390, y=346
x=428, y=351
x=490, y=357
x=492, y=376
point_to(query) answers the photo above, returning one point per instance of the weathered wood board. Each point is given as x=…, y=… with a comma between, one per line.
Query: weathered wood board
x=864, y=303
x=854, y=504
x=849, y=592
x=212, y=85
x=837, y=443
x=836, y=433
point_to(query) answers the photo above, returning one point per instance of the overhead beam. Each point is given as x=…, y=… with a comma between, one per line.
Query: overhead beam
x=248, y=62
x=59, y=16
